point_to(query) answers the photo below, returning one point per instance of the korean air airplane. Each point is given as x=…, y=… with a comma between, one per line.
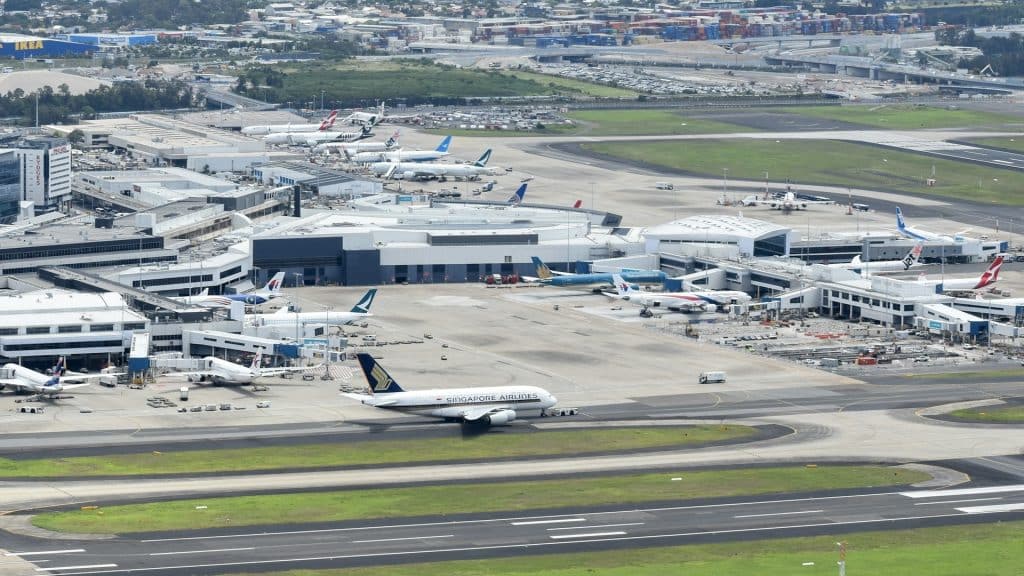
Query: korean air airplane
x=484, y=406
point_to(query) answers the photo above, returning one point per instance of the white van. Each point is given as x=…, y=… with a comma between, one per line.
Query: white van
x=712, y=377
x=664, y=186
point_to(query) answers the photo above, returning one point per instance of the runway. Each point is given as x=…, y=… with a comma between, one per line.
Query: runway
x=435, y=539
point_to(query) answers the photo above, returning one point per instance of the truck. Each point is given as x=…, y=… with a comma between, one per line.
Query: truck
x=664, y=186
x=712, y=377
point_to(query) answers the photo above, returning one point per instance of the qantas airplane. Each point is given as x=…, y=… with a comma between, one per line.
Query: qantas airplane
x=987, y=278
x=326, y=124
x=315, y=138
x=707, y=301
x=484, y=406
x=271, y=290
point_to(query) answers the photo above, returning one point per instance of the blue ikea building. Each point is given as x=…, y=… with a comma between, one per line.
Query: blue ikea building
x=101, y=39
x=20, y=47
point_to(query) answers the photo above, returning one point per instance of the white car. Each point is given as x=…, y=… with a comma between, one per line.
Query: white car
x=263, y=404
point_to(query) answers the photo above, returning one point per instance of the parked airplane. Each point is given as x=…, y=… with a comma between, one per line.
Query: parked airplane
x=376, y=117
x=988, y=277
x=270, y=290
x=786, y=202
x=314, y=138
x=484, y=406
x=918, y=234
x=326, y=124
x=350, y=148
x=403, y=155
x=703, y=301
x=911, y=260
x=284, y=317
x=224, y=373
x=517, y=197
x=22, y=379
x=429, y=170
x=546, y=275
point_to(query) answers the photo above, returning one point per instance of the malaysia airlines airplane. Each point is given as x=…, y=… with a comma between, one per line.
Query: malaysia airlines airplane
x=21, y=379
x=403, y=155
x=325, y=124
x=428, y=170
x=351, y=148
x=483, y=406
x=911, y=260
x=918, y=234
x=284, y=317
x=987, y=278
x=270, y=291
x=314, y=138
x=706, y=301
x=223, y=373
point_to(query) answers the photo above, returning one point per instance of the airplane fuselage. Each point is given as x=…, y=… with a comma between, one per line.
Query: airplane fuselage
x=449, y=404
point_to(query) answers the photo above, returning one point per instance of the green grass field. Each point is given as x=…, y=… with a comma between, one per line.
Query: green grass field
x=467, y=498
x=1014, y=144
x=995, y=414
x=903, y=117
x=573, y=86
x=969, y=550
x=829, y=163
x=363, y=453
x=617, y=123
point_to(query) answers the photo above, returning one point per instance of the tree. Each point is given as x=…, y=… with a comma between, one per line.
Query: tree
x=76, y=136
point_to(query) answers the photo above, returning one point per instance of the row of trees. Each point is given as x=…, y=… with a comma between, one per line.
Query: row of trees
x=1005, y=54
x=60, y=106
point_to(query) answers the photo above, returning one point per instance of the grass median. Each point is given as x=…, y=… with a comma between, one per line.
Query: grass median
x=647, y=122
x=492, y=445
x=431, y=500
x=909, y=116
x=972, y=550
x=1012, y=144
x=826, y=162
x=1013, y=414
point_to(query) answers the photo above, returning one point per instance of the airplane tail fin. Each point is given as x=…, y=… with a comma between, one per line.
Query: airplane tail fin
x=390, y=142
x=376, y=376
x=543, y=272
x=482, y=161
x=60, y=367
x=257, y=360
x=577, y=204
x=366, y=132
x=517, y=198
x=911, y=259
x=992, y=274
x=273, y=286
x=331, y=118
x=901, y=225
x=363, y=306
x=443, y=146
x=622, y=287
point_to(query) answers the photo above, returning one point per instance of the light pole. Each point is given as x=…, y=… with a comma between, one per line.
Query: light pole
x=725, y=182
x=298, y=276
x=322, y=101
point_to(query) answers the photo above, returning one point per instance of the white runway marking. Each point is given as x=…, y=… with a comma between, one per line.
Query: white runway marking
x=561, y=521
x=42, y=552
x=401, y=539
x=601, y=526
x=202, y=551
x=779, y=514
x=590, y=535
x=957, y=501
x=993, y=508
x=964, y=491
x=83, y=567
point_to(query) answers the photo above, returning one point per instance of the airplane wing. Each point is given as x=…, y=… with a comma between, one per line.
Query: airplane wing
x=478, y=412
x=370, y=400
x=73, y=386
x=12, y=382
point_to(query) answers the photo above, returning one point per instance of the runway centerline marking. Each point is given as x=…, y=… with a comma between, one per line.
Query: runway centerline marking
x=401, y=539
x=598, y=526
x=957, y=501
x=590, y=535
x=83, y=567
x=964, y=491
x=202, y=551
x=992, y=509
x=44, y=552
x=779, y=514
x=559, y=521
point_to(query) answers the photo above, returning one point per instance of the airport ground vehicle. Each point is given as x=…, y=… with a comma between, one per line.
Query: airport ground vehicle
x=664, y=186
x=712, y=377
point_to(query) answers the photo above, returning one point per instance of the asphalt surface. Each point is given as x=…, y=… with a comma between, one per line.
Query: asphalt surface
x=436, y=539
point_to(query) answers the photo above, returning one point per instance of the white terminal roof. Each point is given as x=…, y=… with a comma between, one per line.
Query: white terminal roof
x=61, y=307
x=715, y=229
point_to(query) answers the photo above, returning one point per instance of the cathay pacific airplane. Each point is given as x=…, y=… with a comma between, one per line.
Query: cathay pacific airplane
x=485, y=406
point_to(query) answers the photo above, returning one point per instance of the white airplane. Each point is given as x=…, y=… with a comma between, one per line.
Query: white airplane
x=351, y=148
x=988, y=277
x=22, y=379
x=911, y=260
x=376, y=117
x=224, y=373
x=787, y=202
x=918, y=234
x=403, y=155
x=314, y=138
x=326, y=124
x=429, y=170
x=270, y=291
x=707, y=301
x=483, y=406
x=284, y=317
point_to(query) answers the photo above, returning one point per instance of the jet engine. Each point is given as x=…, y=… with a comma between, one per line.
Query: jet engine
x=499, y=418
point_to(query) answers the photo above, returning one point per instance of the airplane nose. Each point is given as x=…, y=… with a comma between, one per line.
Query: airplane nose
x=552, y=399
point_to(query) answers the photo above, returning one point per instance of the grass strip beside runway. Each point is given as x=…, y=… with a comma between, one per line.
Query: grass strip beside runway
x=646, y=122
x=972, y=550
x=1013, y=144
x=993, y=414
x=438, y=500
x=910, y=116
x=825, y=162
x=493, y=444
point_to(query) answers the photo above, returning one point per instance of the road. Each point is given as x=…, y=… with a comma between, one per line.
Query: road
x=435, y=539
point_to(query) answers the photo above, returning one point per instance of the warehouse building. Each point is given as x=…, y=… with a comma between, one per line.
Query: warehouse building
x=19, y=47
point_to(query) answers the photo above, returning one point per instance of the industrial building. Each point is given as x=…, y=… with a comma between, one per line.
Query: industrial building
x=19, y=47
x=104, y=40
x=321, y=181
